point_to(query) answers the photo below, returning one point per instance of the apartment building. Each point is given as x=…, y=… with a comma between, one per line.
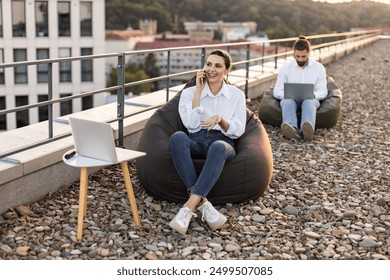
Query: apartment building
x=33, y=30
x=125, y=40
x=226, y=31
x=180, y=60
x=190, y=59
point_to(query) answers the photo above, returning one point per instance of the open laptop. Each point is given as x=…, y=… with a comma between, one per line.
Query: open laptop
x=93, y=139
x=298, y=91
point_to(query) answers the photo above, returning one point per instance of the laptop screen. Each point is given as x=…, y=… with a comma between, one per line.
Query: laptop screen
x=298, y=91
x=93, y=139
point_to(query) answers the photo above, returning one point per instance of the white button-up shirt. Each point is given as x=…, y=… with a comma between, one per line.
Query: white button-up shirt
x=229, y=103
x=313, y=73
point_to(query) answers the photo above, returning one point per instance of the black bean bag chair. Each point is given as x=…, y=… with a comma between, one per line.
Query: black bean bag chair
x=327, y=114
x=245, y=177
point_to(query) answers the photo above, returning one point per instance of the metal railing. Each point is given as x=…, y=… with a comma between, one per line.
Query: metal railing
x=318, y=42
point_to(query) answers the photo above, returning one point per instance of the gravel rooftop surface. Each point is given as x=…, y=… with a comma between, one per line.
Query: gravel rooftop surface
x=329, y=198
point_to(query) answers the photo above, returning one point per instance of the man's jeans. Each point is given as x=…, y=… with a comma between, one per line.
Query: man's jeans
x=212, y=145
x=308, y=107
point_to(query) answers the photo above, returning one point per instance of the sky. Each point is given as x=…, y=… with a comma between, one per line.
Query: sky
x=340, y=1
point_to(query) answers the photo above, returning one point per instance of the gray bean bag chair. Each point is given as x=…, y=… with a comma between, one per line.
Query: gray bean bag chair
x=327, y=114
x=245, y=177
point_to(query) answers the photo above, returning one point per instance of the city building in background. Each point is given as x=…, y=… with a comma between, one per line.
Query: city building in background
x=180, y=61
x=126, y=40
x=33, y=30
x=220, y=30
x=190, y=59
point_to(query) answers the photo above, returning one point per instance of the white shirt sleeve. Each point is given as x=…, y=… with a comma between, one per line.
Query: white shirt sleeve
x=278, y=92
x=320, y=87
x=238, y=121
x=191, y=117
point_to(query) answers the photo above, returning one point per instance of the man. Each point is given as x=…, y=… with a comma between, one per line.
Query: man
x=302, y=69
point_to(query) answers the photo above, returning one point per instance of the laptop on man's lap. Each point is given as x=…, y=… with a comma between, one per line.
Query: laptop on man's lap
x=298, y=91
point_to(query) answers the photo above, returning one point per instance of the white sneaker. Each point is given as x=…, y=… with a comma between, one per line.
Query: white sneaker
x=182, y=220
x=289, y=131
x=307, y=131
x=214, y=219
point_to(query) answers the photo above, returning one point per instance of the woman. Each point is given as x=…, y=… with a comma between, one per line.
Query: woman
x=214, y=112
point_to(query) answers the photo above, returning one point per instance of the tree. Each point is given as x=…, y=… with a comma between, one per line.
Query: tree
x=294, y=17
x=151, y=69
x=132, y=74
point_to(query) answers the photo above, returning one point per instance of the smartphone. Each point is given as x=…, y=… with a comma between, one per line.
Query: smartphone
x=204, y=78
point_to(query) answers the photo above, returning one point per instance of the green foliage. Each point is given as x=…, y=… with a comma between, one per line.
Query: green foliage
x=121, y=14
x=278, y=18
x=133, y=73
x=151, y=69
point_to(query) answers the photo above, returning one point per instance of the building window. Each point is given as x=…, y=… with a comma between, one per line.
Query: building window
x=1, y=19
x=42, y=69
x=1, y=69
x=66, y=66
x=43, y=111
x=41, y=19
x=87, y=102
x=3, y=118
x=86, y=18
x=66, y=106
x=20, y=72
x=18, y=18
x=64, y=18
x=86, y=66
x=21, y=116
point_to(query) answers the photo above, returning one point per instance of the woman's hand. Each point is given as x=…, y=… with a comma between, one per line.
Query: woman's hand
x=200, y=83
x=211, y=122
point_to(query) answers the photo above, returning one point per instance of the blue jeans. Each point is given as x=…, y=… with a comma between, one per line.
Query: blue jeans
x=308, y=111
x=212, y=145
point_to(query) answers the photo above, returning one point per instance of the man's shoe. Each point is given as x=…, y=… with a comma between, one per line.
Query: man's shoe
x=182, y=220
x=213, y=218
x=307, y=131
x=289, y=131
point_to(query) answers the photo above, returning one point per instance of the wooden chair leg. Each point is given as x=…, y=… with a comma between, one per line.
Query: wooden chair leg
x=82, y=201
x=130, y=192
x=86, y=192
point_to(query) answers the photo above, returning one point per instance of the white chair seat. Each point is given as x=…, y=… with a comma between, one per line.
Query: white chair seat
x=80, y=161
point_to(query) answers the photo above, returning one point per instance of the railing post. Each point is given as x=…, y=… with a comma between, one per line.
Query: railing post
x=203, y=58
x=228, y=51
x=285, y=50
x=319, y=55
x=276, y=55
x=50, y=97
x=262, y=55
x=120, y=96
x=248, y=55
x=168, y=72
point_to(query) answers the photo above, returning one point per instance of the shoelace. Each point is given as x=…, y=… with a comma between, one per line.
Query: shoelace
x=208, y=210
x=187, y=213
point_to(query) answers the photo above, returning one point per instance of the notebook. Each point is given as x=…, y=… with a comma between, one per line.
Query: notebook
x=298, y=91
x=93, y=139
